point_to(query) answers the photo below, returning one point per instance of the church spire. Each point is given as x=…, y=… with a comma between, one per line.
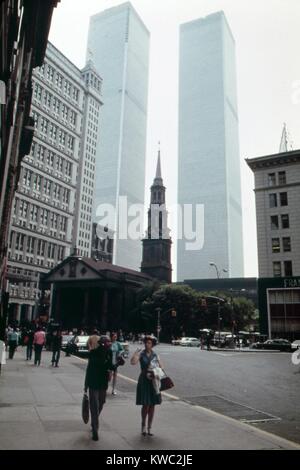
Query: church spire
x=286, y=144
x=158, y=178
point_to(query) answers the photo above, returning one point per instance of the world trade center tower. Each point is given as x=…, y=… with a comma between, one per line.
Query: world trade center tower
x=118, y=45
x=209, y=159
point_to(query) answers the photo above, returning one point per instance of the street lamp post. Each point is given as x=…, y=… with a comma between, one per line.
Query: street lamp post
x=219, y=322
x=158, y=323
x=217, y=269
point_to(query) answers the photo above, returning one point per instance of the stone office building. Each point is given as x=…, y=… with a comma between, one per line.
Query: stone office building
x=24, y=29
x=277, y=192
x=52, y=209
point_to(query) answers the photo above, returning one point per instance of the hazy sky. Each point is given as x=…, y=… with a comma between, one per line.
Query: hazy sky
x=267, y=38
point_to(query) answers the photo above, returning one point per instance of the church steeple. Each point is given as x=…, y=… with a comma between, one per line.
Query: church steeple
x=158, y=178
x=157, y=243
x=158, y=191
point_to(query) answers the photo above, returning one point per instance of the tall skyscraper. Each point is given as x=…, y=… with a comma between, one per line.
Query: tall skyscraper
x=209, y=160
x=118, y=44
x=52, y=210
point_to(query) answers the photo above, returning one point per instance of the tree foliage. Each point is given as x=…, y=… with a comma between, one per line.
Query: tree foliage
x=192, y=314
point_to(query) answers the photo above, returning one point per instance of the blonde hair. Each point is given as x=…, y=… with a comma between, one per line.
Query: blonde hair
x=93, y=342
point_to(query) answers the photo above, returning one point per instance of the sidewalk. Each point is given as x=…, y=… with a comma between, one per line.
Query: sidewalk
x=40, y=408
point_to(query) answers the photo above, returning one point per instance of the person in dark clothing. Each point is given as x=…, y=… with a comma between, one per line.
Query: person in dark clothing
x=208, y=342
x=56, y=347
x=98, y=374
x=13, y=341
x=29, y=344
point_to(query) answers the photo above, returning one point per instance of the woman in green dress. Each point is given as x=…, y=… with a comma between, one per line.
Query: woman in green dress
x=145, y=393
x=117, y=350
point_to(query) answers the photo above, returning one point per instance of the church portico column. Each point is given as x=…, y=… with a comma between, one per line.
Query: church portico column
x=85, y=320
x=104, y=310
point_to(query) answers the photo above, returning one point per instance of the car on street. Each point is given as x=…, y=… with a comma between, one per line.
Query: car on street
x=78, y=344
x=274, y=344
x=65, y=340
x=176, y=342
x=295, y=345
x=190, y=342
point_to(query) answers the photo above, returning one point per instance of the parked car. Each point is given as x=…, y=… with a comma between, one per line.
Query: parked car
x=176, y=342
x=190, y=342
x=78, y=344
x=274, y=344
x=65, y=340
x=295, y=345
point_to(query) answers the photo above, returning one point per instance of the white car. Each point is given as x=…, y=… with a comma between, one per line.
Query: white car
x=190, y=342
x=296, y=344
x=79, y=344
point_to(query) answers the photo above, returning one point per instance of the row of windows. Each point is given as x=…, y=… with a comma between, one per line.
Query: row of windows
x=53, y=131
x=85, y=226
x=51, y=159
x=88, y=200
x=31, y=244
x=286, y=245
x=279, y=268
x=285, y=222
x=60, y=82
x=40, y=216
x=274, y=200
x=92, y=80
x=50, y=101
x=86, y=208
x=41, y=184
x=85, y=235
x=275, y=179
x=83, y=244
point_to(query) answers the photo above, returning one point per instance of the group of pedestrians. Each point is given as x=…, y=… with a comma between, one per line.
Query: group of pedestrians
x=103, y=363
x=34, y=339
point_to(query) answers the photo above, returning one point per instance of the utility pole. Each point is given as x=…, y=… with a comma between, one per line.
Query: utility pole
x=219, y=322
x=158, y=323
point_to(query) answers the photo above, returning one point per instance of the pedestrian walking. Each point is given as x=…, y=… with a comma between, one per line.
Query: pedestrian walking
x=13, y=341
x=56, y=347
x=117, y=350
x=147, y=394
x=39, y=341
x=2, y=354
x=93, y=341
x=98, y=374
x=208, y=342
x=28, y=342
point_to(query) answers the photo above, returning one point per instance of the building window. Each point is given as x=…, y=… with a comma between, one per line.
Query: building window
x=286, y=243
x=272, y=179
x=275, y=245
x=283, y=199
x=75, y=94
x=282, y=177
x=288, y=268
x=277, y=269
x=285, y=221
x=273, y=200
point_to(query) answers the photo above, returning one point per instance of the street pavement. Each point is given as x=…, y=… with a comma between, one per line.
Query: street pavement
x=264, y=381
x=40, y=408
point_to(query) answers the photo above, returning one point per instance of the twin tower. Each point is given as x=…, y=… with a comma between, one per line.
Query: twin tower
x=156, y=260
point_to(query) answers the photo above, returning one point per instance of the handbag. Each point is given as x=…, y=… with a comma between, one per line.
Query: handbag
x=166, y=383
x=85, y=410
x=120, y=361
